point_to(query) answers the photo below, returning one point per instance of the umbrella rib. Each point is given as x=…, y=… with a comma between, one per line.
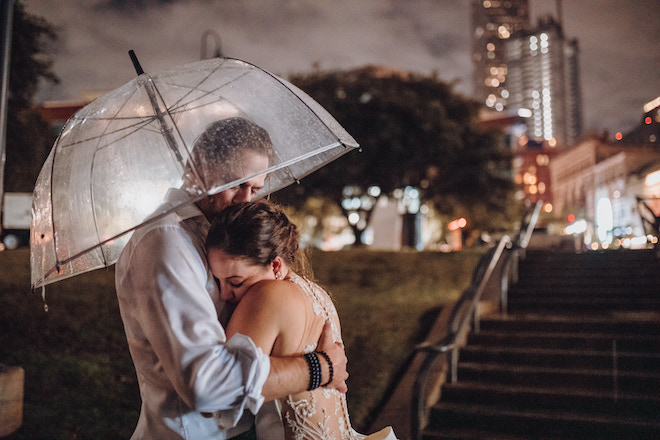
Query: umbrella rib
x=135, y=127
x=279, y=81
x=166, y=130
x=154, y=218
x=143, y=122
x=52, y=206
x=179, y=104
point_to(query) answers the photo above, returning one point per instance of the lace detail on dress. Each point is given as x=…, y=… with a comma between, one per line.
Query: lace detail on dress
x=321, y=414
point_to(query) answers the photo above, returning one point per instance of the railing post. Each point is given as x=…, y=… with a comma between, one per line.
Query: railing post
x=476, y=320
x=504, y=295
x=515, y=264
x=454, y=365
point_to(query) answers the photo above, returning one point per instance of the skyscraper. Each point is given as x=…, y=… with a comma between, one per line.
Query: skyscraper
x=543, y=83
x=529, y=71
x=493, y=23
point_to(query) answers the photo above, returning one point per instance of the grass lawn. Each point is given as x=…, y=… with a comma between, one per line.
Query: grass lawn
x=79, y=378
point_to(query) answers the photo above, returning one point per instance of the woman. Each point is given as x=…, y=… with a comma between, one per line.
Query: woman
x=252, y=250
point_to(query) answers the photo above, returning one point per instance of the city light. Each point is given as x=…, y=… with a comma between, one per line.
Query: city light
x=457, y=224
x=576, y=228
x=652, y=179
x=651, y=105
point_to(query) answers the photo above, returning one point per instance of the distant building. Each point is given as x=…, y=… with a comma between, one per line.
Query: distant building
x=530, y=76
x=493, y=23
x=648, y=131
x=543, y=83
x=56, y=113
x=531, y=167
x=599, y=183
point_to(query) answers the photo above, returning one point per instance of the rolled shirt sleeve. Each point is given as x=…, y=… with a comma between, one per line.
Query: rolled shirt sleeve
x=251, y=398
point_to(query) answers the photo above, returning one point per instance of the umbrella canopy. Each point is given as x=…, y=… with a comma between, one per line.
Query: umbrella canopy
x=116, y=158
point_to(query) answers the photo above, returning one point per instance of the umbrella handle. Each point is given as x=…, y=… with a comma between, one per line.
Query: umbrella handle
x=136, y=63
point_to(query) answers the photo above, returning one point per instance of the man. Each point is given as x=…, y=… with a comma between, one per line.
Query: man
x=171, y=308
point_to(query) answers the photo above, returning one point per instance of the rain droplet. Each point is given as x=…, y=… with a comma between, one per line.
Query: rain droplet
x=43, y=298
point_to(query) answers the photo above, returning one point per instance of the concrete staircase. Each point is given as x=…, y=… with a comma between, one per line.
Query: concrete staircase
x=577, y=356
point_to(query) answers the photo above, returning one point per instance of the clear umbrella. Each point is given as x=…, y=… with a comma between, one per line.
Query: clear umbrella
x=115, y=159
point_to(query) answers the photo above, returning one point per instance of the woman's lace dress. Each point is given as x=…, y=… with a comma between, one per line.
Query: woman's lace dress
x=321, y=414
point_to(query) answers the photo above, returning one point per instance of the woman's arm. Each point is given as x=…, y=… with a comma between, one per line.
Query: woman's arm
x=268, y=313
x=265, y=313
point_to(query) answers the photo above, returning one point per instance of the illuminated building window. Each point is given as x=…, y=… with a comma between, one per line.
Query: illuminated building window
x=542, y=160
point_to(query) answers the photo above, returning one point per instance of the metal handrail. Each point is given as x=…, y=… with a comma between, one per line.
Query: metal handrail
x=652, y=226
x=465, y=312
x=528, y=225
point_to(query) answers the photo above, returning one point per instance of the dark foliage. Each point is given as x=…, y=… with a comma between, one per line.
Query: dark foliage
x=29, y=137
x=414, y=131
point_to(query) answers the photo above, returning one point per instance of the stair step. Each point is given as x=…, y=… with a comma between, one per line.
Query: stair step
x=473, y=434
x=558, y=358
x=584, y=341
x=540, y=424
x=581, y=304
x=558, y=397
x=622, y=323
x=586, y=380
x=545, y=286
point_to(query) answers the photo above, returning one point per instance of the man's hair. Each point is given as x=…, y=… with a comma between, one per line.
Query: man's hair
x=222, y=139
x=220, y=147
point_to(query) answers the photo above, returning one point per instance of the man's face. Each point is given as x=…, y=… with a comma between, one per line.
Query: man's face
x=252, y=163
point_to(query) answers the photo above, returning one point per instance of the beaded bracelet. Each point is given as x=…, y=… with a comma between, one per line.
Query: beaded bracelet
x=314, y=370
x=332, y=370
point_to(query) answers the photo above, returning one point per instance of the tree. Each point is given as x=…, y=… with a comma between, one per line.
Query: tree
x=29, y=138
x=415, y=132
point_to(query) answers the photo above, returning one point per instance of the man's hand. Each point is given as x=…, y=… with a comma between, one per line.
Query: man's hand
x=335, y=350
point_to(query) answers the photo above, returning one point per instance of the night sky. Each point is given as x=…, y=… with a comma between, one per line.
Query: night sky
x=619, y=42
